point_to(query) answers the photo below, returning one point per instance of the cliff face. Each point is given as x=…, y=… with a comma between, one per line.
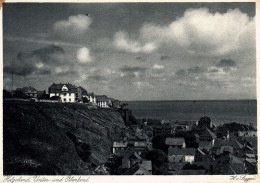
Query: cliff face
x=55, y=138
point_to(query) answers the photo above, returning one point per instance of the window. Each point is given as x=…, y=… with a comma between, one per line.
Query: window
x=70, y=99
x=69, y=94
x=64, y=100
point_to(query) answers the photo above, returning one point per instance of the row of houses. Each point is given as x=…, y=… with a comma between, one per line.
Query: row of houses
x=68, y=93
x=191, y=148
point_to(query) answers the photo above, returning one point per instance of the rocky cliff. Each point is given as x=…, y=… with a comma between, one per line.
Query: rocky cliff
x=57, y=139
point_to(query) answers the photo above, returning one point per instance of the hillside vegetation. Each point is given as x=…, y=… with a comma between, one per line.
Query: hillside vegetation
x=57, y=139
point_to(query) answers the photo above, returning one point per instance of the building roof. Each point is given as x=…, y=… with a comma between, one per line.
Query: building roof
x=208, y=133
x=83, y=90
x=102, y=98
x=200, y=152
x=235, y=160
x=188, y=123
x=147, y=164
x=163, y=126
x=227, y=142
x=183, y=151
x=250, y=160
x=120, y=144
x=39, y=93
x=57, y=88
x=226, y=149
x=207, y=145
x=136, y=156
x=140, y=144
x=223, y=130
x=250, y=155
x=125, y=153
x=92, y=95
x=174, y=141
x=28, y=89
x=196, y=135
x=137, y=166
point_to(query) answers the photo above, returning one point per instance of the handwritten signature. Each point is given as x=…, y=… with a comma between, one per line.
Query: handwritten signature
x=241, y=177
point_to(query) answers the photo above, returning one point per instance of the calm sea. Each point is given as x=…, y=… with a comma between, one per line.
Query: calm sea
x=220, y=111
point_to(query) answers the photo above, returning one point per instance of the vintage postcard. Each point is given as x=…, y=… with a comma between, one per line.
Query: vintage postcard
x=98, y=91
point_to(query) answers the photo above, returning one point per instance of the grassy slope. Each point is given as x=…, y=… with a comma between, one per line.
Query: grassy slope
x=35, y=140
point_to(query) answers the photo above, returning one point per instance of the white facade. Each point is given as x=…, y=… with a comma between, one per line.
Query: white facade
x=189, y=159
x=92, y=99
x=65, y=96
x=181, y=158
x=103, y=104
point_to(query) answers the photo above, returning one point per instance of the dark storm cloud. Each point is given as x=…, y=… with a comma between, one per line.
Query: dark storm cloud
x=194, y=70
x=226, y=63
x=21, y=65
x=45, y=53
x=98, y=77
x=189, y=71
x=140, y=59
x=44, y=72
x=20, y=71
x=181, y=72
x=26, y=63
x=165, y=57
x=129, y=69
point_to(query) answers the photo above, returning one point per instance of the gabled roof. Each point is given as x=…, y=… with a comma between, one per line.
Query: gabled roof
x=135, y=155
x=83, y=90
x=120, y=144
x=250, y=155
x=135, y=168
x=196, y=135
x=250, y=160
x=208, y=133
x=39, y=93
x=229, y=142
x=92, y=95
x=140, y=144
x=102, y=98
x=188, y=123
x=142, y=136
x=27, y=89
x=234, y=159
x=147, y=164
x=207, y=145
x=125, y=153
x=183, y=151
x=57, y=88
x=174, y=141
x=200, y=152
x=129, y=136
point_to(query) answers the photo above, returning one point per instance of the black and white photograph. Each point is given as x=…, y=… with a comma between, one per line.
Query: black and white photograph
x=129, y=88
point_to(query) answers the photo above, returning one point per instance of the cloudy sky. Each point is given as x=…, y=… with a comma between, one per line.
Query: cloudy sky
x=136, y=51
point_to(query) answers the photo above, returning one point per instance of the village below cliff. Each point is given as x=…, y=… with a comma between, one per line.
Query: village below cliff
x=138, y=147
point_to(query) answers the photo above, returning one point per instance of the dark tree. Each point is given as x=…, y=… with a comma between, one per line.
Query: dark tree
x=113, y=164
x=159, y=142
x=19, y=94
x=7, y=94
x=204, y=122
x=85, y=100
x=159, y=160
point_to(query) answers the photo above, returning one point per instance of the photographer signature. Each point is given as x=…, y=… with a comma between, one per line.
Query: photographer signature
x=241, y=177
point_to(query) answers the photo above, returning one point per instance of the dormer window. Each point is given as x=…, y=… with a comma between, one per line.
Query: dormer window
x=64, y=88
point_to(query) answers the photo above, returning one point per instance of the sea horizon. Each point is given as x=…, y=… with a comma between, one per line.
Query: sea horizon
x=188, y=100
x=220, y=111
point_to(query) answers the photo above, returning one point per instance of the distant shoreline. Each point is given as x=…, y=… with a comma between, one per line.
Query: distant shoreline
x=222, y=100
